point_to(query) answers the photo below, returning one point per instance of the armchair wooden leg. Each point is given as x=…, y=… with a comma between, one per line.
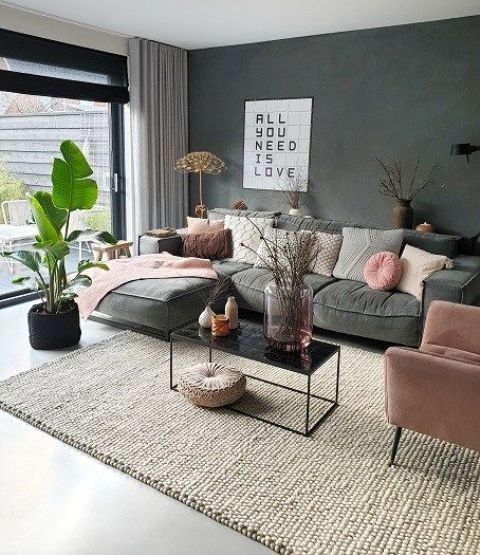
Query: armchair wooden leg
x=396, y=441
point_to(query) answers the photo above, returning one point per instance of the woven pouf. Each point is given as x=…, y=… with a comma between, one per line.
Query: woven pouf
x=212, y=385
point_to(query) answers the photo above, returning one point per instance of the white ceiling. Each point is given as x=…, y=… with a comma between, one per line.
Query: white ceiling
x=204, y=23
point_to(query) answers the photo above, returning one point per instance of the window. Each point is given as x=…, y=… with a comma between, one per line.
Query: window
x=50, y=92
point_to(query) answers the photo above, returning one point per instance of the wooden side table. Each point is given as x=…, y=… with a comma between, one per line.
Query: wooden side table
x=104, y=252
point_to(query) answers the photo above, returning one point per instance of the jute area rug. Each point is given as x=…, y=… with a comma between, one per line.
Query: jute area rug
x=332, y=493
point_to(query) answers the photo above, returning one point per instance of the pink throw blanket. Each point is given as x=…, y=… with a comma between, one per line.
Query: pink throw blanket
x=145, y=266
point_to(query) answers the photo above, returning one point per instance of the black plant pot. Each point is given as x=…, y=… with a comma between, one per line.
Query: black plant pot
x=54, y=331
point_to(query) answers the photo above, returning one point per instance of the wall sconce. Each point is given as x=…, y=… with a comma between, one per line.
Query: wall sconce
x=463, y=149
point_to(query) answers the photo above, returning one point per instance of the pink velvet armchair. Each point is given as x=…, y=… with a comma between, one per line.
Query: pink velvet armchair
x=435, y=390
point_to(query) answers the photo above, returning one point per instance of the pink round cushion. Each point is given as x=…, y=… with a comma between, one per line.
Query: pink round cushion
x=383, y=271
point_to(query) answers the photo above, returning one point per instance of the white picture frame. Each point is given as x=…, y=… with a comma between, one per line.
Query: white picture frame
x=277, y=139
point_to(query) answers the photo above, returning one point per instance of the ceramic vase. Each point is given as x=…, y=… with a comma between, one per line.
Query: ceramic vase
x=205, y=318
x=402, y=216
x=231, y=310
x=294, y=212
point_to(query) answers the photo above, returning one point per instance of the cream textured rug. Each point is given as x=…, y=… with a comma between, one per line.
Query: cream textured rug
x=332, y=493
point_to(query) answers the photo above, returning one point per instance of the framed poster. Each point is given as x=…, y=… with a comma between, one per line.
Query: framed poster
x=276, y=142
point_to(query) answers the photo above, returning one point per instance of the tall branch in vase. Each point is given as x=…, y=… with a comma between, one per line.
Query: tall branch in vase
x=289, y=261
x=403, y=187
x=200, y=162
x=293, y=191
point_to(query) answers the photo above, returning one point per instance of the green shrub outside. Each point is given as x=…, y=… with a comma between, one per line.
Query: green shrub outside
x=11, y=188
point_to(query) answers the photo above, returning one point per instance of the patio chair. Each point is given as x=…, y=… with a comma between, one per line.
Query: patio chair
x=18, y=230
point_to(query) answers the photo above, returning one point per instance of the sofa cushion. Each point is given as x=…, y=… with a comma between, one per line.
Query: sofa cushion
x=160, y=304
x=359, y=244
x=202, y=225
x=229, y=267
x=352, y=307
x=214, y=245
x=435, y=243
x=220, y=213
x=249, y=286
x=247, y=236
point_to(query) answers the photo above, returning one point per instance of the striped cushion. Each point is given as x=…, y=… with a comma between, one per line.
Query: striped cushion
x=359, y=244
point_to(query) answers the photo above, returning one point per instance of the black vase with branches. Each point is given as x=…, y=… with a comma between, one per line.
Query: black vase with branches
x=394, y=183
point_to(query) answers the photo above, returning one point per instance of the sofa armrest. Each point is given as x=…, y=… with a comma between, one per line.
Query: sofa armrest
x=461, y=284
x=453, y=326
x=155, y=245
x=433, y=395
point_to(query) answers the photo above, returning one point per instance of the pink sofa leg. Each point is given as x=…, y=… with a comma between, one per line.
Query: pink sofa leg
x=396, y=441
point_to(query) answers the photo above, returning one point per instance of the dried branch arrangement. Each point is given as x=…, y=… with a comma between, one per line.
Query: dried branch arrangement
x=289, y=261
x=200, y=162
x=220, y=290
x=293, y=191
x=396, y=185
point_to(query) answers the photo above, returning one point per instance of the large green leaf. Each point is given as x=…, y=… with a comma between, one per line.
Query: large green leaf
x=72, y=187
x=57, y=249
x=46, y=230
x=28, y=258
x=57, y=216
x=78, y=282
x=91, y=235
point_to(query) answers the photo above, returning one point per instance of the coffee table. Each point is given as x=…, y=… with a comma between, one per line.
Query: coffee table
x=249, y=343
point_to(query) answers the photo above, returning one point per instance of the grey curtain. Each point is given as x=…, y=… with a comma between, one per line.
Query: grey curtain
x=158, y=110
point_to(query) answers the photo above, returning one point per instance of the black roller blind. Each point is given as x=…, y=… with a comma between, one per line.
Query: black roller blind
x=33, y=65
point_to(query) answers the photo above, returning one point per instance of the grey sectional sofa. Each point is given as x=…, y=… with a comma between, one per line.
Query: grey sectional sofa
x=339, y=305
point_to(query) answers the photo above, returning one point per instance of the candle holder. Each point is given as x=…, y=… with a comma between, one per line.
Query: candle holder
x=220, y=326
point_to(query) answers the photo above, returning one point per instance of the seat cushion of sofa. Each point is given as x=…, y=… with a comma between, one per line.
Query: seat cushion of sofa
x=352, y=307
x=161, y=304
x=249, y=286
x=356, y=296
x=229, y=267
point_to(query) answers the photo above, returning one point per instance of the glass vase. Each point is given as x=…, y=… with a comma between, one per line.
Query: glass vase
x=288, y=316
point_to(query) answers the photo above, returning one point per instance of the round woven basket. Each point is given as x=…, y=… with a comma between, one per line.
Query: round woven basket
x=212, y=385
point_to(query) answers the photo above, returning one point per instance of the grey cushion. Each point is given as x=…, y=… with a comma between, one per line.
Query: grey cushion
x=248, y=286
x=220, y=213
x=161, y=304
x=359, y=244
x=459, y=285
x=352, y=307
x=447, y=245
x=154, y=245
x=229, y=267
x=435, y=243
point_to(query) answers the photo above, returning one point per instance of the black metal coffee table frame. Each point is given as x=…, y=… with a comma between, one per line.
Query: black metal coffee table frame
x=248, y=342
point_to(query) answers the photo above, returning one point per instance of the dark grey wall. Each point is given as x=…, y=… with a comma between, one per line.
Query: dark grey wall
x=390, y=92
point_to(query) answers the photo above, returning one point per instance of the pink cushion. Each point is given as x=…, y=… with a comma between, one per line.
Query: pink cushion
x=199, y=225
x=383, y=271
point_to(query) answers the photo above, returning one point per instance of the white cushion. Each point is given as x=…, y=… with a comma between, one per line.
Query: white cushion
x=418, y=265
x=276, y=240
x=246, y=236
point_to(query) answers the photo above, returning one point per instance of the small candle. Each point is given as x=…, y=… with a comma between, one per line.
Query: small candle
x=220, y=325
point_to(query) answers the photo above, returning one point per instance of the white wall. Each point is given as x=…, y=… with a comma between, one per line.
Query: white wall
x=29, y=23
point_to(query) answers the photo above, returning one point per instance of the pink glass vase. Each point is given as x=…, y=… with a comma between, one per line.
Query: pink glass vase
x=288, y=316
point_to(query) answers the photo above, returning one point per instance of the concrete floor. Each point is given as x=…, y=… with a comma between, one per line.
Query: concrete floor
x=55, y=500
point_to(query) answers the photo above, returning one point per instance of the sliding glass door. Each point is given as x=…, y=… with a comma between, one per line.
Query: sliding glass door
x=31, y=130
x=49, y=92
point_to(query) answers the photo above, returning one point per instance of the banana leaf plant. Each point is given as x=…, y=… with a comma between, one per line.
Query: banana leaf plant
x=73, y=189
